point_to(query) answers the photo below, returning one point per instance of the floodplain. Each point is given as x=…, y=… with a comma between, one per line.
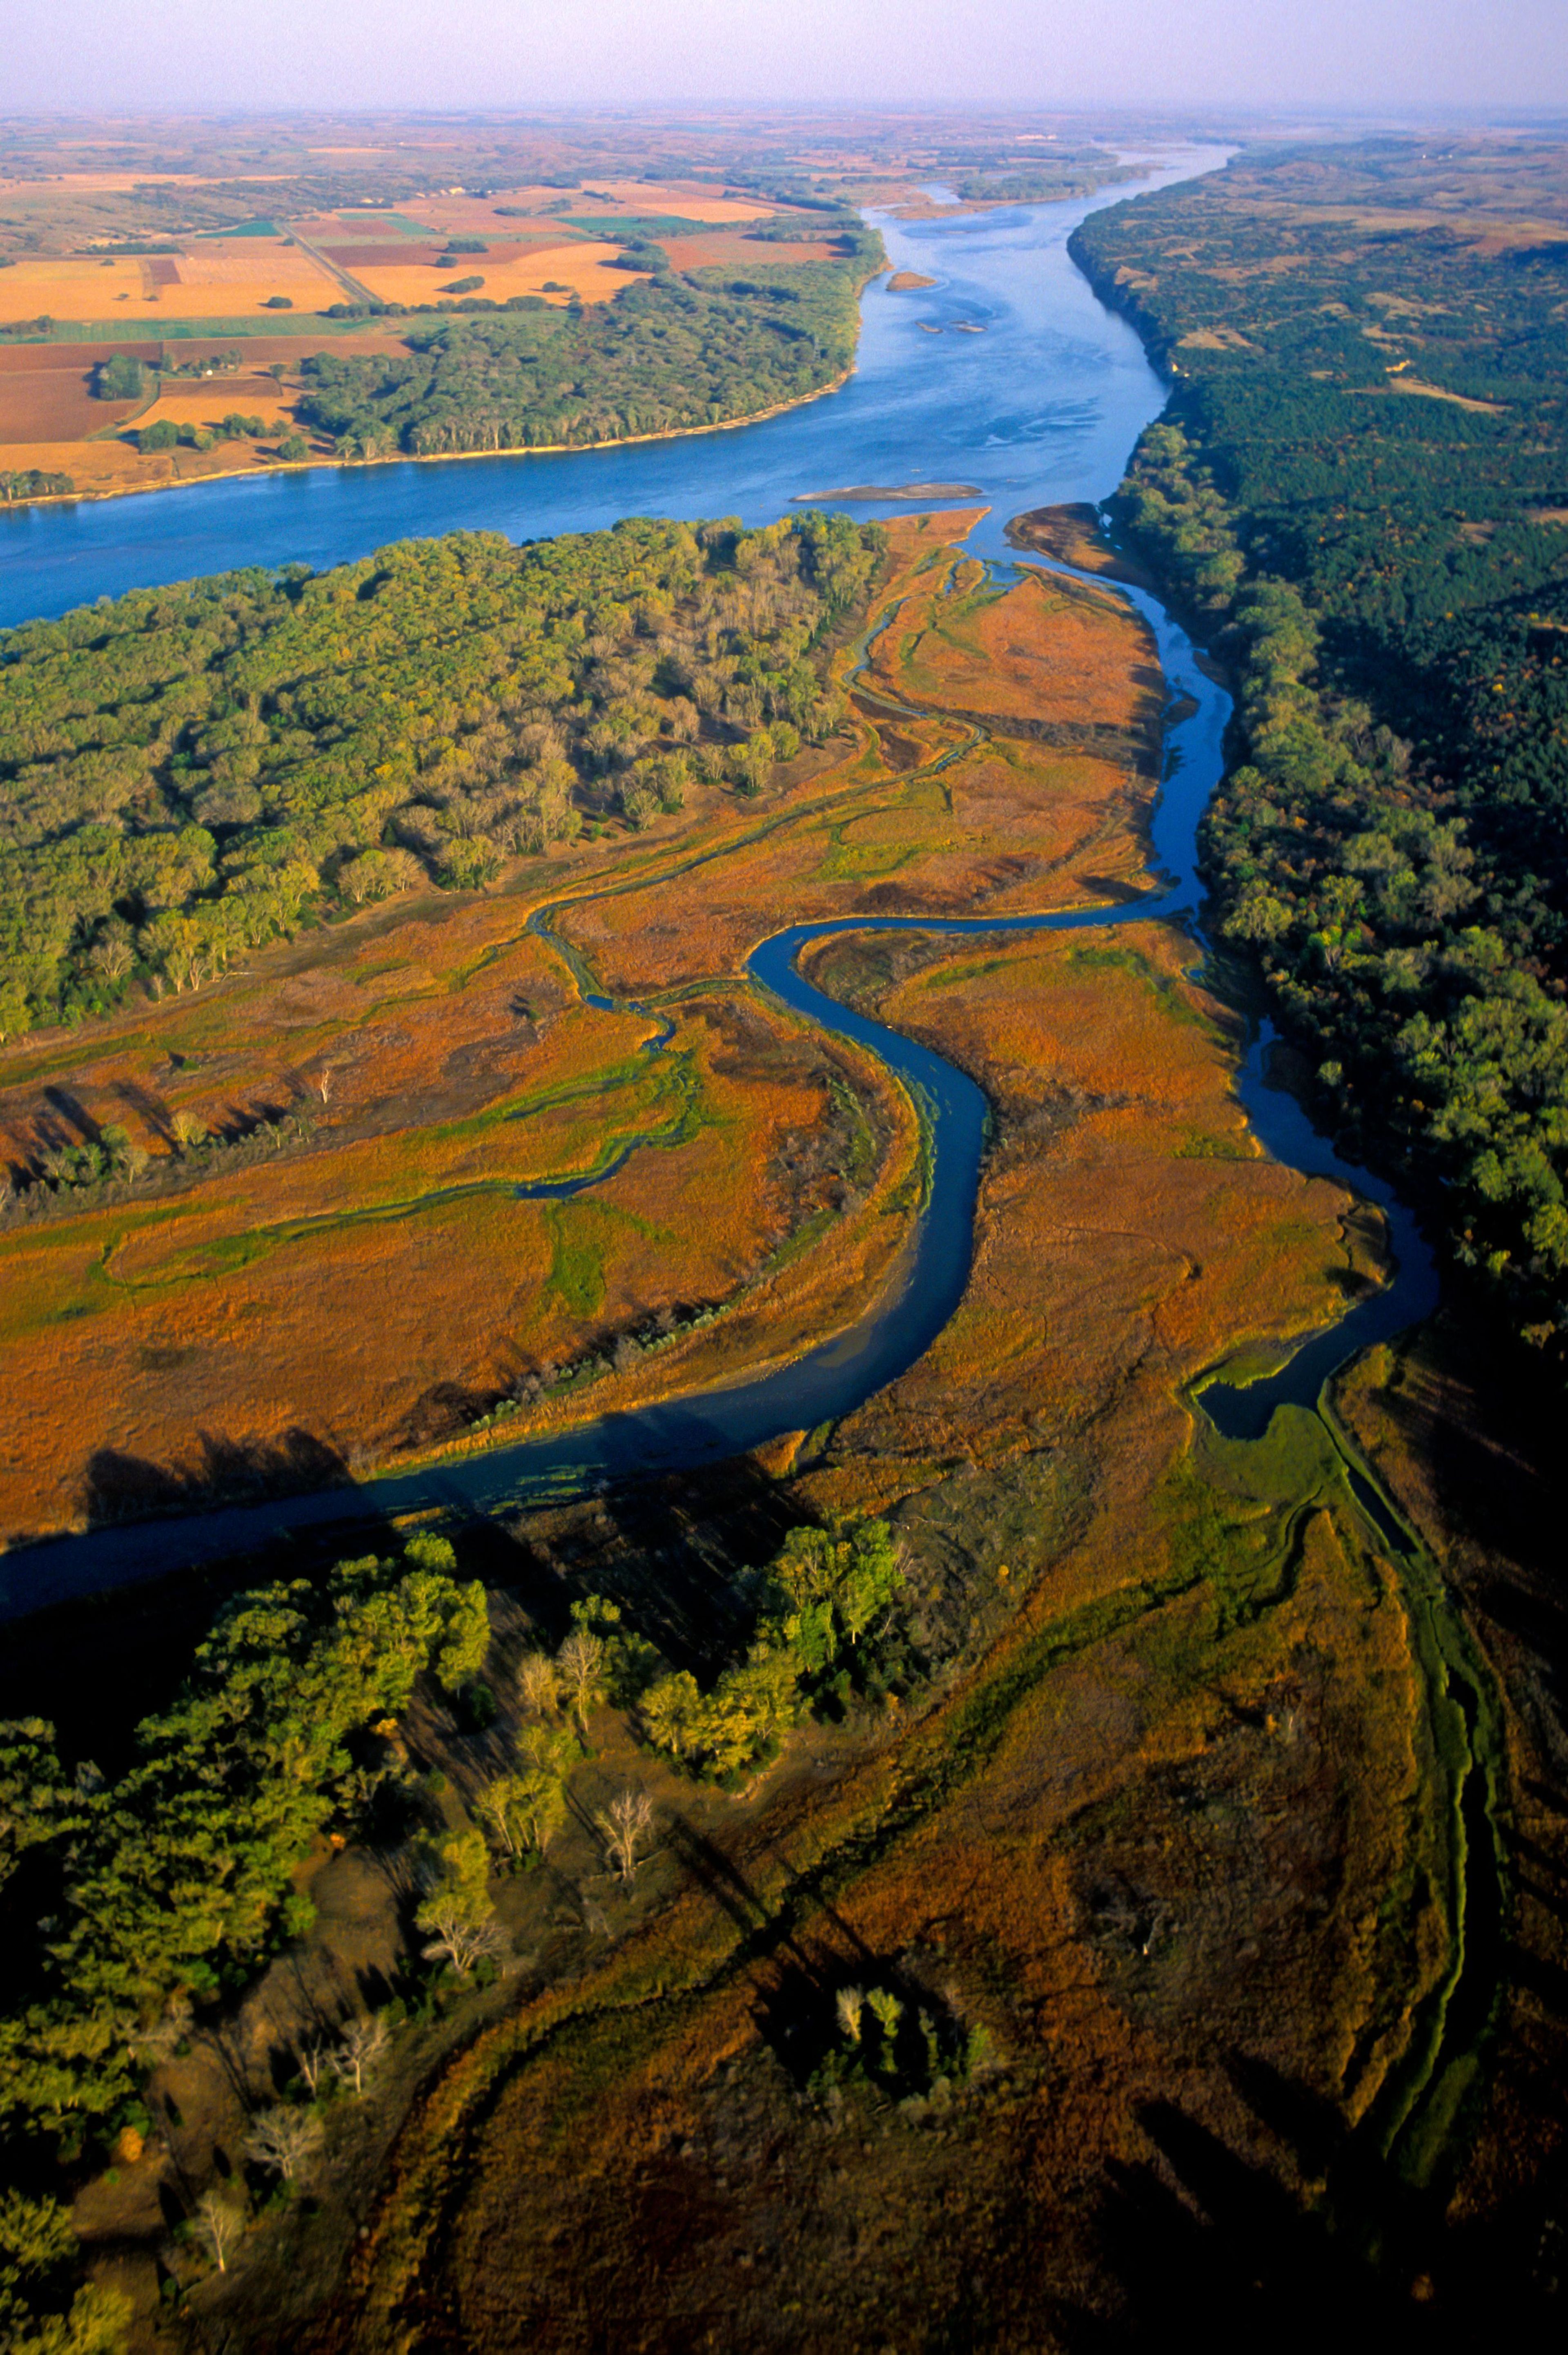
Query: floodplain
x=1173, y=1743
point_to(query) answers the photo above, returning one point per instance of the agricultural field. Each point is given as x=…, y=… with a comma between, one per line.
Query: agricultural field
x=177, y=278
x=163, y=233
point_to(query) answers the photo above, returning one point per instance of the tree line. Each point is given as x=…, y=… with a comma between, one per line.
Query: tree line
x=1388, y=573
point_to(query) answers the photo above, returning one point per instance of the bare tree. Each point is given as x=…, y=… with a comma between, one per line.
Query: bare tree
x=460, y=1940
x=539, y=1683
x=283, y=2139
x=218, y=2228
x=582, y=1663
x=314, y=2060
x=626, y=1826
x=364, y=2043
x=850, y=2006
x=322, y=1082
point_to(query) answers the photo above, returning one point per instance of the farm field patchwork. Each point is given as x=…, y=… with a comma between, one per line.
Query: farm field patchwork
x=124, y=256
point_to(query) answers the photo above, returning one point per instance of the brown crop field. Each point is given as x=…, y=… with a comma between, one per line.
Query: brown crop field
x=53, y=404
x=584, y=268
x=732, y=250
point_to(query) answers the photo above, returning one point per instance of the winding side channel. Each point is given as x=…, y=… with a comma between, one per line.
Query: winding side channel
x=838, y=1374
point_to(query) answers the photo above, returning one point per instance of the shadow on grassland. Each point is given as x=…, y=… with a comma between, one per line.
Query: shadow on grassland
x=1206, y=2246
x=119, y=1486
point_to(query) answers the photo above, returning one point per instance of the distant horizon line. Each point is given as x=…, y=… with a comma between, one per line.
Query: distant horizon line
x=1174, y=112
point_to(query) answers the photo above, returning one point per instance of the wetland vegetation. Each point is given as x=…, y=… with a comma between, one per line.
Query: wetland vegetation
x=744, y=1906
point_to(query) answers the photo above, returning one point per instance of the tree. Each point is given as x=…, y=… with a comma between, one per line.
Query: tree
x=626, y=1825
x=120, y=378
x=39, y=2313
x=466, y=1634
x=37, y=1804
x=833, y=1585
x=283, y=2139
x=522, y=1812
x=364, y=2045
x=538, y=1684
x=313, y=2060
x=553, y=1749
x=163, y=2040
x=671, y=1713
x=459, y=1908
x=581, y=1661
x=219, y=2228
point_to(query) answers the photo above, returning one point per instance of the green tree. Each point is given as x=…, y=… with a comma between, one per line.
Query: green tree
x=40, y=2311
x=522, y=1813
x=119, y=377
x=458, y=1911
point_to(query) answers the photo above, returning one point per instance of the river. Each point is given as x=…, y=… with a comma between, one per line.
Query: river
x=1043, y=406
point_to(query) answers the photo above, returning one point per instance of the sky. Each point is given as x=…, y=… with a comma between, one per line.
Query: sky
x=1377, y=56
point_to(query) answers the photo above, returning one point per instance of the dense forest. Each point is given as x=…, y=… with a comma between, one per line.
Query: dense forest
x=1360, y=488
x=187, y=771
x=674, y=352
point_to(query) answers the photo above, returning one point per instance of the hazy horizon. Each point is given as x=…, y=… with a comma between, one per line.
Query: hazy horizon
x=1360, y=57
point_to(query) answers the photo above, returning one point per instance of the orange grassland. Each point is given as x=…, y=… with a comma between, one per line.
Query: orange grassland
x=210, y=1317
x=1168, y=1793
x=1151, y=1818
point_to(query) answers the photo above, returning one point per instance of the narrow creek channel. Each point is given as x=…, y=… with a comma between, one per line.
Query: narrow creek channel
x=1038, y=401
x=830, y=1379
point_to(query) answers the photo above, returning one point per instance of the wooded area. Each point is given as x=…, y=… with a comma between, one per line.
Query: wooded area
x=168, y=1886
x=186, y=772
x=674, y=352
x=1360, y=488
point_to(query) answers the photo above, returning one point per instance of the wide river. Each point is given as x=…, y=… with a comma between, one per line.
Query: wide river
x=1043, y=406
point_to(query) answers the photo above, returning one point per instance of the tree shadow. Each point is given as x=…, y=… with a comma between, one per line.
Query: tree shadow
x=1204, y=2243
x=71, y=1110
x=124, y=1487
x=148, y=1108
x=670, y=1550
